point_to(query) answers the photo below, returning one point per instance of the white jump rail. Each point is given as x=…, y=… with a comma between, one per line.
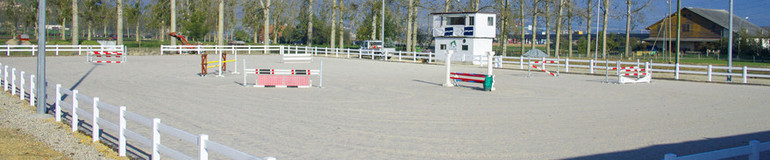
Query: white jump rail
x=106, y=57
x=80, y=49
x=297, y=58
x=96, y=119
x=752, y=150
x=593, y=65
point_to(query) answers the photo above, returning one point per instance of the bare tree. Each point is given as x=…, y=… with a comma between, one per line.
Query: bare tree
x=75, y=29
x=310, y=23
x=173, y=20
x=547, y=16
x=558, y=27
x=505, y=12
x=265, y=4
x=221, y=23
x=334, y=23
x=534, y=23
x=120, y=22
x=409, y=23
x=588, y=27
x=570, y=14
x=604, y=28
x=629, y=12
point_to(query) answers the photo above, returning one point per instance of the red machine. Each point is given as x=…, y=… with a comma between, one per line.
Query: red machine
x=182, y=39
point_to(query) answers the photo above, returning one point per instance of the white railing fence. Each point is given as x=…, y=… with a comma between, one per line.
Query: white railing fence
x=316, y=51
x=677, y=69
x=80, y=49
x=84, y=109
x=752, y=150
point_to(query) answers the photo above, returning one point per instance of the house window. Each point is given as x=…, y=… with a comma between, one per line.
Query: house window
x=685, y=27
x=443, y=47
x=491, y=21
x=471, y=20
x=456, y=21
x=465, y=47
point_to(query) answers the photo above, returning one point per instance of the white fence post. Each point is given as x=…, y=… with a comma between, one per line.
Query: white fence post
x=745, y=75
x=566, y=65
x=32, y=90
x=7, y=50
x=74, y=110
x=122, y=132
x=21, y=86
x=360, y=52
x=754, y=150
x=155, y=139
x=414, y=57
x=709, y=72
x=676, y=71
x=5, y=78
x=591, y=65
x=95, y=127
x=13, y=81
x=203, y=153
x=57, y=105
x=669, y=156
x=521, y=62
x=399, y=55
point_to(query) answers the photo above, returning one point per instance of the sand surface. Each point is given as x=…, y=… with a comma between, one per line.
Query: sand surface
x=388, y=110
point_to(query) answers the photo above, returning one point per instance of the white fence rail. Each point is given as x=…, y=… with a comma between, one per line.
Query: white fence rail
x=752, y=150
x=593, y=65
x=316, y=51
x=80, y=49
x=77, y=109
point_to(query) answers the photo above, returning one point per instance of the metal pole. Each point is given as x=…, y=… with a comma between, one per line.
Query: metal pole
x=41, y=58
x=730, y=46
x=678, y=29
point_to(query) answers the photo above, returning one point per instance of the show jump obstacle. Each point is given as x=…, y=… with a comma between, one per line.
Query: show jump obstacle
x=105, y=57
x=542, y=68
x=452, y=78
x=283, y=78
x=297, y=58
x=221, y=64
x=632, y=74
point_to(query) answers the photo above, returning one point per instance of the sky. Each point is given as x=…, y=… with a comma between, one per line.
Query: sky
x=757, y=11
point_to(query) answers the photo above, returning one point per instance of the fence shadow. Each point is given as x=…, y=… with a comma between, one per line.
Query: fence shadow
x=81, y=79
x=681, y=149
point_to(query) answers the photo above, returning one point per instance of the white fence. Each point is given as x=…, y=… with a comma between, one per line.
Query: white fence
x=316, y=51
x=593, y=65
x=62, y=48
x=78, y=110
x=752, y=150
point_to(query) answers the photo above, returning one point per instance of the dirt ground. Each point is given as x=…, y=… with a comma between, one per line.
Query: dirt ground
x=388, y=110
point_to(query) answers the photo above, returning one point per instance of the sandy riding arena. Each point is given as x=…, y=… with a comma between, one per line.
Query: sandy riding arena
x=370, y=109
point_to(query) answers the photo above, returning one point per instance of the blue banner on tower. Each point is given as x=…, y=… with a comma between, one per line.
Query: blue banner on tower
x=468, y=31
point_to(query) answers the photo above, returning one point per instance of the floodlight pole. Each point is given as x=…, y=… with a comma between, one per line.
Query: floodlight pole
x=730, y=46
x=41, y=58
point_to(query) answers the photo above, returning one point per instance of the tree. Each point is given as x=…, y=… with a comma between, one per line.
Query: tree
x=310, y=23
x=75, y=23
x=604, y=28
x=160, y=17
x=92, y=12
x=569, y=24
x=534, y=23
x=521, y=22
x=251, y=18
x=505, y=12
x=134, y=15
x=334, y=23
x=221, y=25
x=63, y=7
x=409, y=23
x=120, y=22
x=629, y=12
x=173, y=17
x=265, y=4
x=587, y=16
x=558, y=27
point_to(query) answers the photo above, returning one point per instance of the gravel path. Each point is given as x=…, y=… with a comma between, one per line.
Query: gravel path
x=19, y=115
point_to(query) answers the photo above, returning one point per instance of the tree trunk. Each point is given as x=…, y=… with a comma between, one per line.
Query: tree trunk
x=534, y=24
x=547, y=27
x=588, y=29
x=604, y=29
x=266, y=15
x=89, y=30
x=446, y=5
x=120, y=22
x=136, y=31
x=75, y=29
x=569, y=24
x=63, y=28
x=334, y=24
x=256, y=35
x=628, y=27
x=221, y=23
x=342, y=27
x=558, y=28
x=409, y=22
x=310, y=24
x=374, y=27
x=161, y=36
x=523, y=31
x=173, y=20
x=414, y=27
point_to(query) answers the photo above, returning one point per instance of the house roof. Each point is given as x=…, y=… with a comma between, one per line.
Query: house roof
x=722, y=18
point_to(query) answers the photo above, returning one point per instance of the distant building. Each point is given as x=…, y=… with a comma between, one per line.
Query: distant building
x=700, y=27
x=470, y=34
